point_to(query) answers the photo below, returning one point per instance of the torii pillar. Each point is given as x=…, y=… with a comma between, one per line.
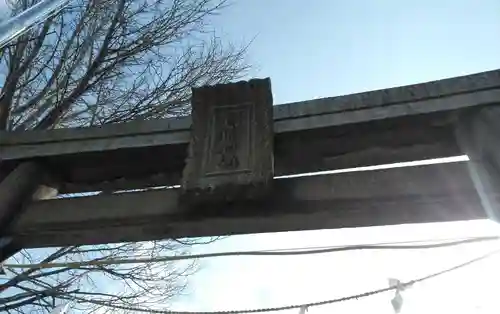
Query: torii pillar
x=478, y=134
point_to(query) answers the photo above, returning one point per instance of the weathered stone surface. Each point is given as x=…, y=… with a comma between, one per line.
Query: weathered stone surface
x=231, y=148
x=16, y=192
x=390, y=96
x=478, y=133
x=105, y=157
x=434, y=193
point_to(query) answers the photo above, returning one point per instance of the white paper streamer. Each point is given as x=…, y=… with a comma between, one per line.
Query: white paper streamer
x=397, y=301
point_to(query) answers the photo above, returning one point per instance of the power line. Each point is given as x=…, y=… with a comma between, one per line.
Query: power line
x=311, y=304
x=249, y=253
x=392, y=243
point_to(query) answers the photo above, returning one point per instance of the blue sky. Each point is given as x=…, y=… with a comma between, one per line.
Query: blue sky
x=326, y=48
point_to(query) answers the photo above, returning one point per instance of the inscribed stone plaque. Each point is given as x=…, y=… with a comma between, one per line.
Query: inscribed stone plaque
x=231, y=149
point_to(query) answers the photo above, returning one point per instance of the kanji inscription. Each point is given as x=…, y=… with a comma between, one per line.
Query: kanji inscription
x=231, y=149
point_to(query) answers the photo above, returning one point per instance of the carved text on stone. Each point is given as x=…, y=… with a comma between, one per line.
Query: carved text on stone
x=229, y=148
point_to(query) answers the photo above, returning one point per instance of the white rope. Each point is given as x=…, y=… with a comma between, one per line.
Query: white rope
x=402, y=285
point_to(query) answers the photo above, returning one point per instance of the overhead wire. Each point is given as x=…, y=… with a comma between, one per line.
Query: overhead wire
x=312, y=304
x=289, y=252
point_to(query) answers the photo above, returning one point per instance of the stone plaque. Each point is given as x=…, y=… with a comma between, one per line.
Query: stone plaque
x=231, y=149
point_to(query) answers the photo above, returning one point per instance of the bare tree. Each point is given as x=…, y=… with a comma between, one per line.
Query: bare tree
x=97, y=289
x=99, y=62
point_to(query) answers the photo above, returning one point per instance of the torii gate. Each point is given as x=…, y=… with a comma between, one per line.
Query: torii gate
x=238, y=143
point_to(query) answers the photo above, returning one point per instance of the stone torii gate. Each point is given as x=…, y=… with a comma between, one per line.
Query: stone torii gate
x=238, y=159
